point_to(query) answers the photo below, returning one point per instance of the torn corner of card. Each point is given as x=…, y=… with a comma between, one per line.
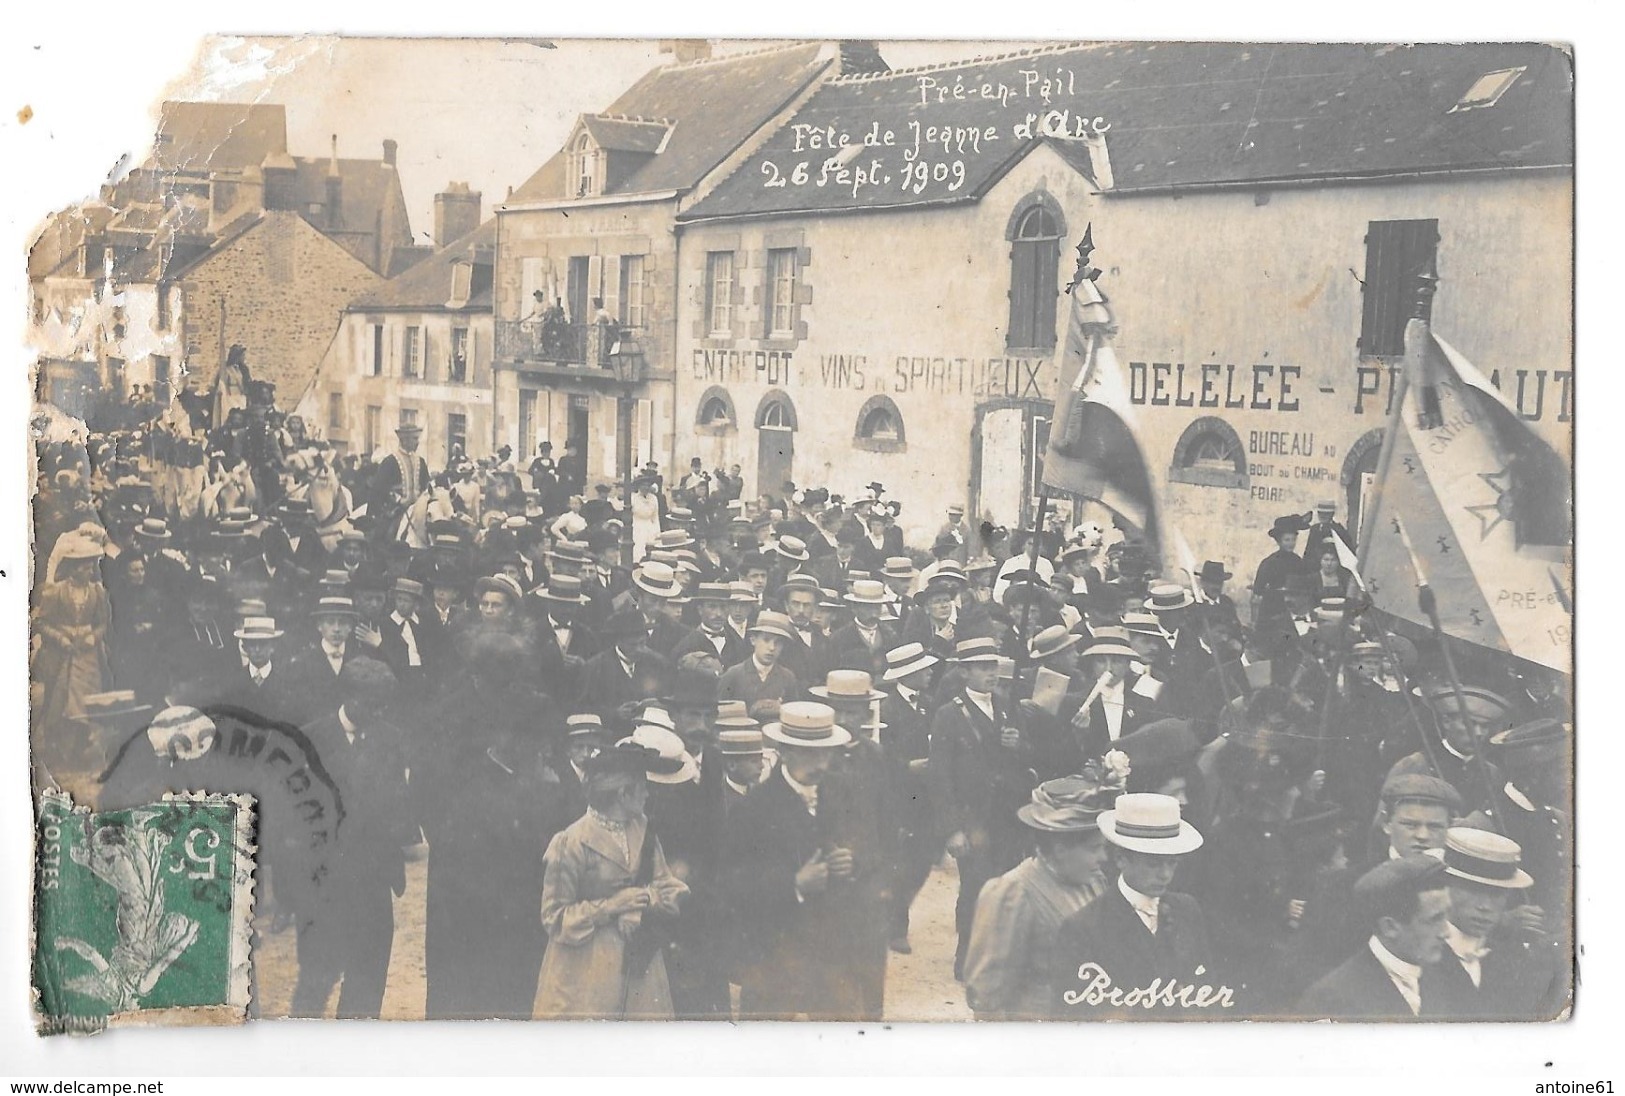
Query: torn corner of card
x=142, y=915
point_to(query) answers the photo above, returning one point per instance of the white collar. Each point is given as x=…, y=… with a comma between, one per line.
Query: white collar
x=344, y=721
x=807, y=792
x=398, y=619
x=761, y=671
x=1452, y=751
x=1467, y=948
x=1142, y=903
x=1407, y=976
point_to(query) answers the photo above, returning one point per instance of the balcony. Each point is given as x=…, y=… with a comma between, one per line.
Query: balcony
x=582, y=351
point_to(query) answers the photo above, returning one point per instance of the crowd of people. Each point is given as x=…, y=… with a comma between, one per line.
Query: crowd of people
x=711, y=783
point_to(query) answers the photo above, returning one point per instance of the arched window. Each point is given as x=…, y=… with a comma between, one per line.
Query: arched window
x=1209, y=453
x=1359, y=476
x=777, y=413
x=715, y=414
x=880, y=427
x=1035, y=253
x=583, y=167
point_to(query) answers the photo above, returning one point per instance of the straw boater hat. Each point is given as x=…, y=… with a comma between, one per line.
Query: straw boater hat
x=743, y=740
x=409, y=586
x=672, y=539
x=899, y=567
x=980, y=564
x=181, y=733
x=116, y=708
x=153, y=529
x=800, y=581
x=1110, y=641
x=806, y=724
x=1149, y=823
x=1165, y=597
x=1486, y=858
x=909, y=658
x=258, y=627
x=1052, y=641
x=665, y=742
x=868, y=591
x=793, y=548
x=583, y=725
x=712, y=591
x=656, y=578
x=563, y=590
x=742, y=592
x=847, y=687
x=982, y=649
x=774, y=624
x=334, y=606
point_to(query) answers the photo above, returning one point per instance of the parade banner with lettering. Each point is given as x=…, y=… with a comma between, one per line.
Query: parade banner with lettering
x=1478, y=506
x=1094, y=449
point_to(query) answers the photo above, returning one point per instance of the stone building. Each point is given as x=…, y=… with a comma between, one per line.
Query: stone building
x=901, y=245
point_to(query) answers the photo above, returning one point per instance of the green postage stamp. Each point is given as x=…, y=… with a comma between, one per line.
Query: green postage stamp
x=141, y=916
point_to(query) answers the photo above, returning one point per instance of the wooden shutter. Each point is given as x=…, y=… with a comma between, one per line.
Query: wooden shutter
x=1395, y=252
x=1022, y=276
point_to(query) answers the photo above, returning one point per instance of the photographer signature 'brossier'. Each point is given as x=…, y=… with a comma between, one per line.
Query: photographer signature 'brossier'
x=1139, y=949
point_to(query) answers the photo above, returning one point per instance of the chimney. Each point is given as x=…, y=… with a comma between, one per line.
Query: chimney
x=1100, y=161
x=456, y=213
x=390, y=148
x=281, y=181
x=860, y=58
x=334, y=209
x=684, y=50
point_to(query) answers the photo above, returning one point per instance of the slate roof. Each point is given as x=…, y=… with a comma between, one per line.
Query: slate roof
x=715, y=106
x=1189, y=115
x=204, y=138
x=370, y=189
x=626, y=134
x=426, y=287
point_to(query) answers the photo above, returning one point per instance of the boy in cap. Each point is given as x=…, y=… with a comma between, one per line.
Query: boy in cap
x=761, y=681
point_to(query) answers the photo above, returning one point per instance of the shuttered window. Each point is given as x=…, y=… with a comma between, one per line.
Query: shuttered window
x=1034, y=273
x=1395, y=253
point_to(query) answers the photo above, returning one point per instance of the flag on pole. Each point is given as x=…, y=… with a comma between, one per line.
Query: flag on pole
x=1484, y=502
x=1347, y=558
x=1094, y=447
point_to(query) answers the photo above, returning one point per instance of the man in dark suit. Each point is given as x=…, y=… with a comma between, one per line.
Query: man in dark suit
x=1406, y=904
x=833, y=568
x=563, y=641
x=349, y=932
x=713, y=636
x=317, y=672
x=655, y=584
x=412, y=643
x=761, y=681
x=263, y=686
x=1116, y=704
x=979, y=777
x=1493, y=968
x=862, y=644
x=790, y=881
x=1138, y=932
x=905, y=715
x=608, y=679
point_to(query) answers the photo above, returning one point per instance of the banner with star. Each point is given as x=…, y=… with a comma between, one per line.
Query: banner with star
x=1477, y=505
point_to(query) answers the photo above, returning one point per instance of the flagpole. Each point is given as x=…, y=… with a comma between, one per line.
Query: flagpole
x=1023, y=649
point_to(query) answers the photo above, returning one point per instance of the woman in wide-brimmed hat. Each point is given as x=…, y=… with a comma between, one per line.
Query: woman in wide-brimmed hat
x=71, y=620
x=1008, y=970
x=606, y=890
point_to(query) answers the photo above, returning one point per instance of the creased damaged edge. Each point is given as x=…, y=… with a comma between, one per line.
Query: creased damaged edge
x=234, y=1010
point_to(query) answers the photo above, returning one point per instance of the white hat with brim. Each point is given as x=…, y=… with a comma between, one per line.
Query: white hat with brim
x=1149, y=823
x=915, y=662
x=1485, y=858
x=657, y=578
x=806, y=724
x=670, y=747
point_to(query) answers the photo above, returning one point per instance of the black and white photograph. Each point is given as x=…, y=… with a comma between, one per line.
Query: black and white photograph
x=821, y=530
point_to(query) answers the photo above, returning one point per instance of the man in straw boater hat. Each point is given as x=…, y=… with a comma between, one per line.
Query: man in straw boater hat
x=863, y=643
x=1009, y=969
x=564, y=641
x=317, y=671
x=1114, y=706
x=264, y=685
x=906, y=714
x=1491, y=970
x=793, y=886
x=412, y=641
x=761, y=681
x=808, y=656
x=979, y=776
x=656, y=584
x=1404, y=905
x=1139, y=935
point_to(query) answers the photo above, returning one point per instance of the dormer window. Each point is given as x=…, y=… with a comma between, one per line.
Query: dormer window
x=584, y=179
x=1488, y=89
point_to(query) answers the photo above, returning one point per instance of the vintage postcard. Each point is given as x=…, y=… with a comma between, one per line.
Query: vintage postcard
x=812, y=530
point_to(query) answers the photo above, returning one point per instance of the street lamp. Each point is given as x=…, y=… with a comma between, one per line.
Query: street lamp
x=627, y=370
